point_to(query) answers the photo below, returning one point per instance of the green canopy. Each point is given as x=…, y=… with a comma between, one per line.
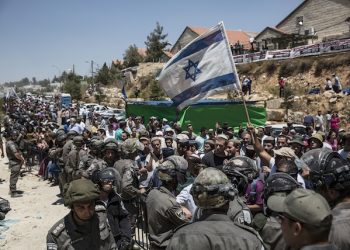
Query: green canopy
x=203, y=115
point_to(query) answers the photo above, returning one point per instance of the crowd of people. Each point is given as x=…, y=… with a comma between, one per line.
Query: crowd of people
x=219, y=188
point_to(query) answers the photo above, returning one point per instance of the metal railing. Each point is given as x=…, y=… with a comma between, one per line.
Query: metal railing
x=141, y=231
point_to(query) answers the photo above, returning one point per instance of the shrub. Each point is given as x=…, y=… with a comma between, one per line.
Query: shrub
x=287, y=69
x=319, y=68
x=244, y=69
x=304, y=66
x=270, y=68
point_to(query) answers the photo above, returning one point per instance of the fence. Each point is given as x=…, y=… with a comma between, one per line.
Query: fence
x=141, y=230
x=305, y=50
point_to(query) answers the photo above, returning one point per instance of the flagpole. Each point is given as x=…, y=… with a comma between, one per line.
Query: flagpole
x=235, y=70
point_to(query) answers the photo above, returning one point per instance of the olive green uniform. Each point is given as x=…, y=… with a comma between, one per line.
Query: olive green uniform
x=63, y=160
x=164, y=215
x=14, y=164
x=216, y=231
x=67, y=235
x=72, y=164
x=271, y=234
x=340, y=230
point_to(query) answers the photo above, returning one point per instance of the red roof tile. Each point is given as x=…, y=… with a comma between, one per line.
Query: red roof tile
x=232, y=35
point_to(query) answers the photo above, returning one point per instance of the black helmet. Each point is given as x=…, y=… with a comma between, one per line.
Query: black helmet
x=14, y=133
x=327, y=168
x=279, y=182
x=241, y=171
x=61, y=137
x=241, y=166
x=108, y=174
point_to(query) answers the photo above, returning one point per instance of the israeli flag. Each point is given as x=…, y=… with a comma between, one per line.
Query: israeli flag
x=203, y=68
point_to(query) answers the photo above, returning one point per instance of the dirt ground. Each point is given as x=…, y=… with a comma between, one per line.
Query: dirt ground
x=32, y=215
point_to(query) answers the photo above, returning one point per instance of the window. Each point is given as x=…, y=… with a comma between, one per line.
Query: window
x=300, y=21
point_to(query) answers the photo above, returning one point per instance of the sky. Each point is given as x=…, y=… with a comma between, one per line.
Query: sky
x=43, y=38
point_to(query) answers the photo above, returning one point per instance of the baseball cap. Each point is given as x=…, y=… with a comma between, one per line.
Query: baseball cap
x=286, y=152
x=301, y=205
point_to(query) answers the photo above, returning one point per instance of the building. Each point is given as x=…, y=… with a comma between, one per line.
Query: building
x=234, y=36
x=312, y=21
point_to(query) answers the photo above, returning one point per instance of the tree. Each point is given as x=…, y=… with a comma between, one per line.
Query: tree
x=103, y=75
x=132, y=56
x=156, y=43
x=156, y=93
x=73, y=86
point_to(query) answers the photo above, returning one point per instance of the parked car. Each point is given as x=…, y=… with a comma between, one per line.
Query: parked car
x=276, y=129
x=119, y=114
x=99, y=109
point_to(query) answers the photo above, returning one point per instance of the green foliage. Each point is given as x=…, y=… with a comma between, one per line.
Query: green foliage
x=304, y=66
x=73, y=86
x=270, y=68
x=244, y=69
x=103, y=75
x=132, y=57
x=287, y=69
x=100, y=98
x=106, y=76
x=156, y=43
x=156, y=93
x=318, y=69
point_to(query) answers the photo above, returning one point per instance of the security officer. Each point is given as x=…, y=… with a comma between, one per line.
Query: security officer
x=212, y=192
x=16, y=161
x=305, y=218
x=110, y=151
x=93, y=160
x=74, y=156
x=82, y=228
x=128, y=170
x=163, y=212
x=67, y=147
x=117, y=215
x=55, y=153
x=240, y=170
x=329, y=174
x=267, y=223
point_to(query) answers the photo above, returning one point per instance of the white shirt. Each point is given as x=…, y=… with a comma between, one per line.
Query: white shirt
x=185, y=199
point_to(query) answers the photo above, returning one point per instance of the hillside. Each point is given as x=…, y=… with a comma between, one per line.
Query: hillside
x=301, y=73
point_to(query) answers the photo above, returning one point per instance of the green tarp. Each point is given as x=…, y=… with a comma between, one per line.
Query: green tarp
x=202, y=115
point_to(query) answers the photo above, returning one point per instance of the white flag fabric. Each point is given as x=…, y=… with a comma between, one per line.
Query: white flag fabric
x=203, y=68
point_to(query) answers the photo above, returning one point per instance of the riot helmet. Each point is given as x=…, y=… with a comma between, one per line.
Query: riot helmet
x=327, y=169
x=60, y=139
x=130, y=148
x=279, y=183
x=241, y=170
x=212, y=189
x=173, y=168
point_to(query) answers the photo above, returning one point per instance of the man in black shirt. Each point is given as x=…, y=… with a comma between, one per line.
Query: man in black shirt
x=216, y=157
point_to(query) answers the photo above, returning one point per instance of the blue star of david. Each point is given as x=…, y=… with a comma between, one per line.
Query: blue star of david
x=192, y=70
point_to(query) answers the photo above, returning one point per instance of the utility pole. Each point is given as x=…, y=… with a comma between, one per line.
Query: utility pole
x=92, y=71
